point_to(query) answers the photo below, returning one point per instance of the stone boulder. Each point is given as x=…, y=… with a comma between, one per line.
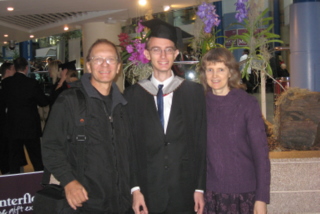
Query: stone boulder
x=297, y=119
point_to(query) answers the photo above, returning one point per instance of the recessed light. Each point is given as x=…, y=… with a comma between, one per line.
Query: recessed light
x=166, y=8
x=10, y=9
x=66, y=28
x=5, y=42
x=142, y=2
x=5, y=35
x=31, y=36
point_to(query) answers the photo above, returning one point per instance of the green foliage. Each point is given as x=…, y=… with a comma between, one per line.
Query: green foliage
x=210, y=41
x=256, y=40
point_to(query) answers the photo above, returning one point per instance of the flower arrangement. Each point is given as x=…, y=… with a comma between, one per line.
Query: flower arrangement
x=241, y=9
x=257, y=36
x=207, y=37
x=136, y=64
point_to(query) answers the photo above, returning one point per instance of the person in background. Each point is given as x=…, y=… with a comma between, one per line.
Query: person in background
x=250, y=83
x=283, y=72
x=48, y=61
x=22, y=96
x=167, y=114
x=238, y=166
x=72, y=76
x=58, y=73
x=6, y=70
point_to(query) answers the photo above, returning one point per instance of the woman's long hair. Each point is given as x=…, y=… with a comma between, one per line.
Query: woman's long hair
x=53, y=69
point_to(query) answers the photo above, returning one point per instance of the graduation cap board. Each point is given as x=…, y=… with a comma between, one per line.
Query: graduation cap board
x=162, y=29
x=68, y=65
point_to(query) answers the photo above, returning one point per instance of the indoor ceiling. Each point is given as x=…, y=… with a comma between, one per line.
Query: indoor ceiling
x=43, y=18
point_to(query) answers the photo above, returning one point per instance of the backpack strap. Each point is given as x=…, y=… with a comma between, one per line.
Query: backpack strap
x=80, y=132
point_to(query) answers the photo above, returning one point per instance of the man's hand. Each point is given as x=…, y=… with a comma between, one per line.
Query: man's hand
x=260, y=207
x=198, y=202
x=75, y=194
x=138, y=201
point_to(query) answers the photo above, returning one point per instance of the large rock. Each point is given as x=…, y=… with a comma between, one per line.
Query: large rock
x=297, y=119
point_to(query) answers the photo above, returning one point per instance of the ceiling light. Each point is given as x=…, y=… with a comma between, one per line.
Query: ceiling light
x=5, y=42
x=5, y=35
x=166, y=8
x=66, y=28
x=31, y=36
x=142, y=2
x=10, y=9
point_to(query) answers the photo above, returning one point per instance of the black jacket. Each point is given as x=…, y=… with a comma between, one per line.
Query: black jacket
x=22, y=95
x=107, y=170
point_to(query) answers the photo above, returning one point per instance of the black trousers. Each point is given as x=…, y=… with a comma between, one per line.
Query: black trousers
x=17, y=156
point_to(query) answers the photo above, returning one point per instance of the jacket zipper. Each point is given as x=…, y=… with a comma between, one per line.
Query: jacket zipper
x=113, y=145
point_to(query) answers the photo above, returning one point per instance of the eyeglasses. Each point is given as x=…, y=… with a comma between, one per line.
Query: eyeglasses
x=158, y=51
x=98, y=60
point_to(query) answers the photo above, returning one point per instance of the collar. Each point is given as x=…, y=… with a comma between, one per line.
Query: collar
x=165, y=83
x=21, y=72
x=170, y=84
x=117, y=97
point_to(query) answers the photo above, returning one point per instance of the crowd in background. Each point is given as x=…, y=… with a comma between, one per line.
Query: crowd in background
x=24, y=108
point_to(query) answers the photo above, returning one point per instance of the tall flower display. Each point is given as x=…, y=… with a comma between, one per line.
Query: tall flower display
x=206, y=37
x=136, y=65
x=257, y=37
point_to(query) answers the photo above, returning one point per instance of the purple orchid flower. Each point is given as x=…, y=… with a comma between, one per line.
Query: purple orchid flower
x=140, y=27
x=241, y=10
x=207, y=13
x=130, y=48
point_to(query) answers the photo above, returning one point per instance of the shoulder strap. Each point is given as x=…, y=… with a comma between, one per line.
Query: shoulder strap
x=80, y=112
x=80, y=132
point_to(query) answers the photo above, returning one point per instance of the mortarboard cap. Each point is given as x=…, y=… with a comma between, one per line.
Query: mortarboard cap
x=162, y=29
x=68, y=65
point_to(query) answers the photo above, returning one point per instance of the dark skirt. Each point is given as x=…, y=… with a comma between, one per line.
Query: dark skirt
x=221, y=203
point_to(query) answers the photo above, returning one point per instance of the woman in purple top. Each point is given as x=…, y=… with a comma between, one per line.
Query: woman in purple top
x=238, y=166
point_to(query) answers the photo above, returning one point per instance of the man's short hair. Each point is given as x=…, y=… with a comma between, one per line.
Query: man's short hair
x=246, y=51
x=4, y=67
x=102, y=41
x=20, y=64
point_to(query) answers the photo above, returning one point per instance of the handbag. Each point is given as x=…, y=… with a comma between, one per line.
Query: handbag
x=50, y=200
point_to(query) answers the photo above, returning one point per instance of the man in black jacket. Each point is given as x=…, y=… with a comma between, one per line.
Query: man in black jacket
x=6, y=70
x=102, y=185
x=22, y=96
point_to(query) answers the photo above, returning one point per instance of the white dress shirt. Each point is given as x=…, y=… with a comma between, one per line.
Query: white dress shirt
x=167, y=98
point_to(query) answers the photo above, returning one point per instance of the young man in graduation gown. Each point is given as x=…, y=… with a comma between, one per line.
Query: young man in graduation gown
x=168, y=118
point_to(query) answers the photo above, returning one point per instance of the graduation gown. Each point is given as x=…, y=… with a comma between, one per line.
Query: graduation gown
x=171, y=166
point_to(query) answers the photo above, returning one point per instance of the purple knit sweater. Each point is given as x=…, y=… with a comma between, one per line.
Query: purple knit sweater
x=237, y=149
